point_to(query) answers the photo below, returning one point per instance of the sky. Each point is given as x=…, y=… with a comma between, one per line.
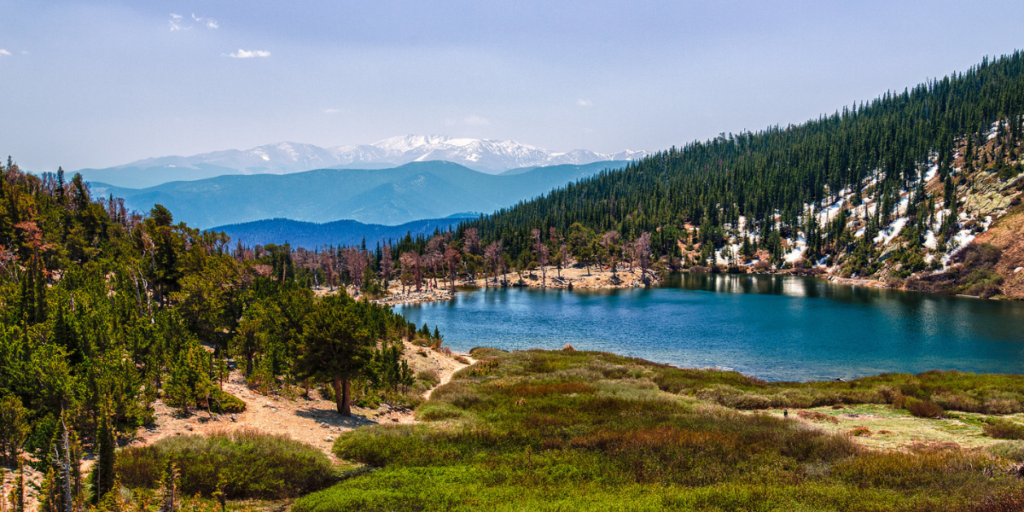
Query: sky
x=103, y=83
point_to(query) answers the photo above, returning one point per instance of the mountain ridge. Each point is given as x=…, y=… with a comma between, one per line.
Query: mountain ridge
x=312, y=235
x=418, y=190
x=482, y=155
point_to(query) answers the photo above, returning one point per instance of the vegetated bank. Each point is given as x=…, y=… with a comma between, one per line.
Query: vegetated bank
x=105, y=313
x=568, y=430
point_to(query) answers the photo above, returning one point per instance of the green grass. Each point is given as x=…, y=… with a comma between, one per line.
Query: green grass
x=951, y=390
x=253, y=465
x=541, y=430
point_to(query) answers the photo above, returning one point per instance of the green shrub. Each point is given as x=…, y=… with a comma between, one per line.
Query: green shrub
x=222, y=402
x=254, y=465
x=438, y=411
x=1009, y=450
x=593, y=431
x=428, y=377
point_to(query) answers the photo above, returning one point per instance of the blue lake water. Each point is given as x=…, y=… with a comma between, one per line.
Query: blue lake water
x=772, y=327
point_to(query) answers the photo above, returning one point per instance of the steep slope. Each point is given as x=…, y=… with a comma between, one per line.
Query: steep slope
x=894, y=191
x=489, y=156
x=420, y=190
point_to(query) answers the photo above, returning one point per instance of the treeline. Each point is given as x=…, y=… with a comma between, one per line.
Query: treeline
x=103, y=311
x=745, y=197
x=443, y=259
x=874, y=150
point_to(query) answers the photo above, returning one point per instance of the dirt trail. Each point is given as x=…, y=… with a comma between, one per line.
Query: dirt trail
x=312, y=420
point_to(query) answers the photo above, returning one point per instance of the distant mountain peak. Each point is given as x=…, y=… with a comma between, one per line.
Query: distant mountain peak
x=483, y=155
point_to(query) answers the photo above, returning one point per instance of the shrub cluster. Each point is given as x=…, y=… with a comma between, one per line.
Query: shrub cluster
x=252, y=465
x=923, y=409
x=954, y=391
x=817, y=416
x=1004, y=429
x=590, y=431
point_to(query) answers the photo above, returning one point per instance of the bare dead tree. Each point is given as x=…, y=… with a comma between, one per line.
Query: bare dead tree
x=433, y=258
x=355, y=264
x=63, y=461
x=608, y=241
x=329, y=262
x=492, y=257
x=471, y=241
x=451, y=259
x=411, y=263
x=642, y=254
x=386, y=265
x=540, y=249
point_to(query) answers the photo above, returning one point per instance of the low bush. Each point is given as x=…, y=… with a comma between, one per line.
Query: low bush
x=222, y=402
x=428, y=377
x=592, y=431
x=859, y=432
x=253, y=465
x=1003, y=405
x=917, y=468
x=1004, y=429
x=923, y=408
x=817, y=416
x=438, y=411
x=957, y=402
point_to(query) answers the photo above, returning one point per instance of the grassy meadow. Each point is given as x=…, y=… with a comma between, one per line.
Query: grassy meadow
x=541, y=430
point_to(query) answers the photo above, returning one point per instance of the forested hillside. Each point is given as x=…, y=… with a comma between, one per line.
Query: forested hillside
x=103, y=312
x=894, y=188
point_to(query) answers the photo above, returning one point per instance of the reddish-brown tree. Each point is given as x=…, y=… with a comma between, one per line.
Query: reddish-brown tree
x=492, y=258
x=411, y=263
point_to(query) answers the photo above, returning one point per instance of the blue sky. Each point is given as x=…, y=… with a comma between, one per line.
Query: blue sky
x=96, y=84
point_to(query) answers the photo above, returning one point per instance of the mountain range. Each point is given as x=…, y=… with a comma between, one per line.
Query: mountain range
x=414, y=191
x=311, y=235
x=483, y=155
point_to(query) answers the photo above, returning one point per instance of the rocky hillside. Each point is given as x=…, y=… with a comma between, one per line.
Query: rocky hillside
x=973, y=246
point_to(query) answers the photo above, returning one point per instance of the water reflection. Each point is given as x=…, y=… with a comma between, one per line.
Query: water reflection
x=774, y=327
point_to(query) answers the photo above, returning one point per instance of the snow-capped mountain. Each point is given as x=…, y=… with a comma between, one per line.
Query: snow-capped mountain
x=484, y=155
x=491, y=156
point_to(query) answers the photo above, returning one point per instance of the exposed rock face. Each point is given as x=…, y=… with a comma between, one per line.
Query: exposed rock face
x=1007, y=235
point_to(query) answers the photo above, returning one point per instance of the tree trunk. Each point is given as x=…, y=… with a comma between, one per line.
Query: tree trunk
x=342, y=395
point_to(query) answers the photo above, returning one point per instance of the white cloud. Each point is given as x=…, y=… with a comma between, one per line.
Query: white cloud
x=209, y=22
x=246, y=54
x=4, y=52
x=584, y=103
x=178, y=22
x=175, y=22
x=332, y=111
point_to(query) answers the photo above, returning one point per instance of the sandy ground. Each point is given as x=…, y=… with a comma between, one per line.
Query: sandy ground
x=32, y=480
x=312, y=420
x=578, y=278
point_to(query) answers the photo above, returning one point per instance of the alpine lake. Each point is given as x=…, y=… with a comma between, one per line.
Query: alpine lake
x=777, y=328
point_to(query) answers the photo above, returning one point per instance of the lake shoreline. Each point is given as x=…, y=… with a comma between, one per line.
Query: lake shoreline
x=772, y=327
